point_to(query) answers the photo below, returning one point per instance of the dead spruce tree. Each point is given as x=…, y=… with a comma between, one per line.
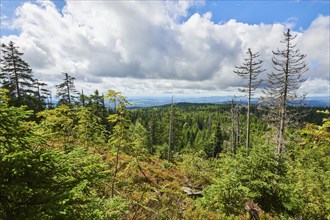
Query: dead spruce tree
x=249, y=70
x=283, y=83
x=170, y=132
x=235, y=118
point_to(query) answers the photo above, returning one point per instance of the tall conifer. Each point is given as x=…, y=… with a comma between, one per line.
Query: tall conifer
x=66, y=91
x=16, y=75
x=250, y=70
x=283, y=83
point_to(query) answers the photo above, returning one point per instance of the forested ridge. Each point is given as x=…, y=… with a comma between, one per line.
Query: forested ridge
x=91, y=157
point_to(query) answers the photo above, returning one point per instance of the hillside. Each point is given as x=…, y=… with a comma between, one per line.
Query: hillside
x=73, y=164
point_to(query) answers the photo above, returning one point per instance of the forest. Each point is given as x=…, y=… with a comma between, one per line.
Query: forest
x=92, y=157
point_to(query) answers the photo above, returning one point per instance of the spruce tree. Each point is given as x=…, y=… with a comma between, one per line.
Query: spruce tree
x=283, y=83
x=250, y=70
x=235, y=117
x=16, y=75
x=82, y=98
x=170, y=132
x=174, y=123
x=216, y=141
x=66, y=91
x=41, y=95
x=95, y=102
x=119, y=136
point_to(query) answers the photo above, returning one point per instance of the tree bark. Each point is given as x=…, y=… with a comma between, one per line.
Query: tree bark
x=249, y=104
x=116, y=165
x=280, y=142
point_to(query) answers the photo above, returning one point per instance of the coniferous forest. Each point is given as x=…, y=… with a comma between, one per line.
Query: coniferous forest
x=93, y=157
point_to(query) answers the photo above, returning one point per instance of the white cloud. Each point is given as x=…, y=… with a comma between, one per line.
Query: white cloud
x=151, y=47
x=316, y=44
x=316, y=87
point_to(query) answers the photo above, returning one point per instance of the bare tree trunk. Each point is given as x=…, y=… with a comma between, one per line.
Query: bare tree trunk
x=17, y=83
x=249, y=70
x=68, y=87
x=248, y=126
x=116, y=165
x=170, y=135
x=249, y=104
x=280, y=142
x=115, y=174
x=210, y=123
x=238, y=124
x=82, y=98
x=152, y=136
x=16, y=77
x=233, y=128
x=169, y=139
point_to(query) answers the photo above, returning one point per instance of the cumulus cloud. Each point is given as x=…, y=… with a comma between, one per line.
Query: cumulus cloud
x=315, y=87
x=151, y=46
x=316, y=44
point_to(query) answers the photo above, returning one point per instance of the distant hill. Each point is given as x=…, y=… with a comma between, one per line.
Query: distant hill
x=141, y=102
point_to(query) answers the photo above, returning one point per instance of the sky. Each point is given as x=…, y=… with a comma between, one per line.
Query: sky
x=162, y=48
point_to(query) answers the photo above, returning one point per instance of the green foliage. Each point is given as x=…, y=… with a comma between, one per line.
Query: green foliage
x=161, y=151
x=138, y=136
x=16, y=76
x=119, y=138
x=95, y=102
x=66, y=90
x=308, y=173
x=44, y=183
x=295, y=184
x=115, y=208
x=68, y=166
x=72, y=126
x=83, y=163
x=88, y=129
x=48, y=184
x=58, y=124
x=243, y=178
x=120, y=120
x=197, y=169
x=192, y=127
x=216, y=145
x=15, y=131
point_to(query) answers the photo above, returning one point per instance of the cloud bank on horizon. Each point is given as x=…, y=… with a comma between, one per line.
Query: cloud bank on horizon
x=155, y=47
